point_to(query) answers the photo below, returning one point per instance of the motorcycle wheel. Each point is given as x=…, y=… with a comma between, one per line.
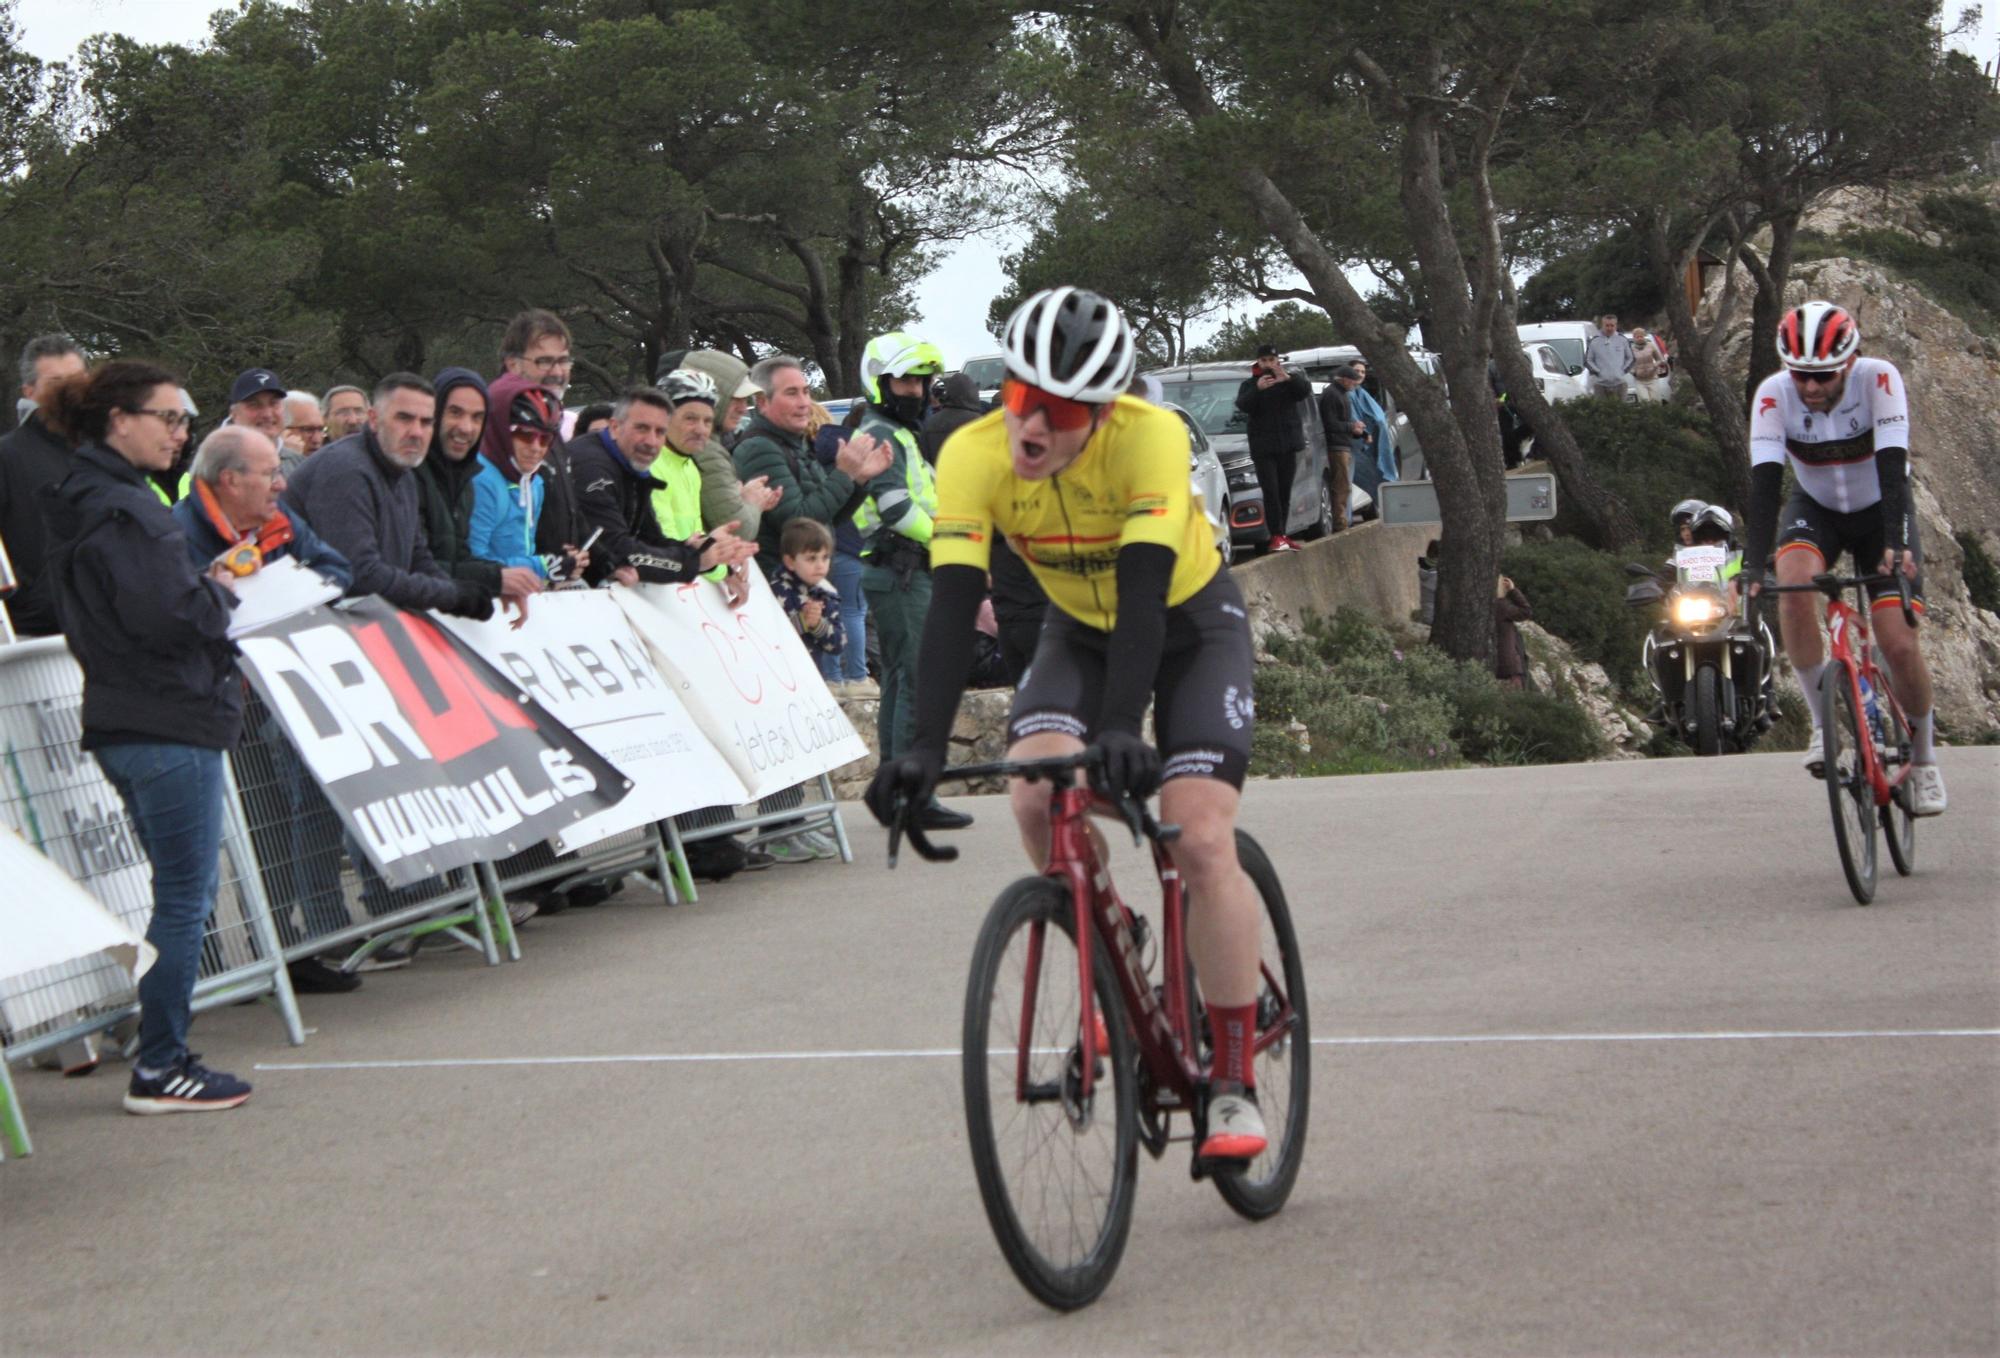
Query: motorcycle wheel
x=1707, y=711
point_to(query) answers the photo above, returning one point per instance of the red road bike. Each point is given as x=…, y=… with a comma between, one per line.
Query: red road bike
x=1867, y=736
x=1070, y=1065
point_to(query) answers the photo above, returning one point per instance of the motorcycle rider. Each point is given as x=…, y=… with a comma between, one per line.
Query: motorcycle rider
x=1682, y=519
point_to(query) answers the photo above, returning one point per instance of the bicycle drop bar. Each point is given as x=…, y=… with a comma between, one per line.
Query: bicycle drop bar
x=1132, y=811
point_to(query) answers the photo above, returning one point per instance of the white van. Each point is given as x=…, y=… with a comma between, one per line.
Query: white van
x=1568, y=339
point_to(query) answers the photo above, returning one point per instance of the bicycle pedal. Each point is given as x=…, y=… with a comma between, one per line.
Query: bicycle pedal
x=1217, y=1166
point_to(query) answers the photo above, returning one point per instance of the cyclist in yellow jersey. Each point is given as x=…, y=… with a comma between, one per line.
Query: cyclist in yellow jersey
x=1090, y=488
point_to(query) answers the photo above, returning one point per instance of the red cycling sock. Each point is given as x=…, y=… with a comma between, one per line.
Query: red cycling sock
x=1234, y=1028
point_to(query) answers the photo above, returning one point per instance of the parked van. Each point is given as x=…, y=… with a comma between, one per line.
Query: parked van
x=1568, y=339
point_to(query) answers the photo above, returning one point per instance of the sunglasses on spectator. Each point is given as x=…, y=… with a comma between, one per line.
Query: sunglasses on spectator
x=1816, y=379
x=538, y=437
x=1023, y=400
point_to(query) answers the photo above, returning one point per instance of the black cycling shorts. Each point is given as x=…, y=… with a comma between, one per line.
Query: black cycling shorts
x=1806, y=523
x=1202, y=708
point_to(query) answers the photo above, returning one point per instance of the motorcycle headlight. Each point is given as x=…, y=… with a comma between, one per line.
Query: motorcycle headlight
x=1694, y=610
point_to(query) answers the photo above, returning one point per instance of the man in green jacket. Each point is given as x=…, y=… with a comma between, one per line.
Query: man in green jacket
x=895, y=522
x=775, y=448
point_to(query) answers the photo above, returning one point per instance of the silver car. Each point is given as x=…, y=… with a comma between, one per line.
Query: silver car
x=1210, y=482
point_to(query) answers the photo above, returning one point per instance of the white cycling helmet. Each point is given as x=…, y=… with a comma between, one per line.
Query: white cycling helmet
x=1686, y=510
x=1071, y=343
x=689, y=384
x=1817, y=336
x=1716, y=517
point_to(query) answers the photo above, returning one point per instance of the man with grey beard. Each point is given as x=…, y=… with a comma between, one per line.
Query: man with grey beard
x=359, y=495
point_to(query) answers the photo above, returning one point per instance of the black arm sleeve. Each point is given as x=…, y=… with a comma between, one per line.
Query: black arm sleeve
x=1892, y=468
x=1145, y=569
x=948, y=652
x=1767, y=479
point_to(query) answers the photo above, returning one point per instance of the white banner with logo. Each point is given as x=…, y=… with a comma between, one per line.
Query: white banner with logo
x=747, y=680
x=578, y=656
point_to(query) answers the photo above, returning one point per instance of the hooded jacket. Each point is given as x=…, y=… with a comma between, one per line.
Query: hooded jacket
x=561, y=522
x=960, y=407
x=721, y=487
x=149, y=631
x=32, y=459
x=445, y=495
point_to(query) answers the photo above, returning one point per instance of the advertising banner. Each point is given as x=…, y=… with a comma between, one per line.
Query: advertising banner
x=579, y=658
x=747, y=680
x=432, y=758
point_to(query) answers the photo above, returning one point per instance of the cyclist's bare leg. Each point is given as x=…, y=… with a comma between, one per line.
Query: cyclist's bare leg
x=1798, y=614
x=1223, y=924
x=1031, y=800
x=1907, y=670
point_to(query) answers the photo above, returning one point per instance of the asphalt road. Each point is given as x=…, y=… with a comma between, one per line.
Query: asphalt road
x=1607, y=1062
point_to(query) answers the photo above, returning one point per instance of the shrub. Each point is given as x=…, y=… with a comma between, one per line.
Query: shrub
x=1982, y=578
x=1371, y=701
x=1649, y=456
x=1578, y=594
x=1961, y=272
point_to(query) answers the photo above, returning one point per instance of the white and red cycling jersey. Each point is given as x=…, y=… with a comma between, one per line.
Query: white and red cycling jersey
x=1833, y=452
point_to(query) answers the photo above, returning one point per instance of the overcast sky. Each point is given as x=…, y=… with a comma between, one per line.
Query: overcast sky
x=952, y=302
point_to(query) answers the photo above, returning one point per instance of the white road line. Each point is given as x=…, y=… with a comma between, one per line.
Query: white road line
x=892, y=1054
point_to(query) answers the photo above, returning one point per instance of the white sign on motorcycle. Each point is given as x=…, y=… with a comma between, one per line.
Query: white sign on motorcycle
x=746, y=679
x=1701, y=564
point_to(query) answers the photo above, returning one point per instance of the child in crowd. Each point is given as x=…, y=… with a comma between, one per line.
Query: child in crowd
x=810, y=602
x=812, y=605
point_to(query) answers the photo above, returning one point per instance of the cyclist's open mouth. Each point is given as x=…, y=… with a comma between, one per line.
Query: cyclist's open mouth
x=1032, y=458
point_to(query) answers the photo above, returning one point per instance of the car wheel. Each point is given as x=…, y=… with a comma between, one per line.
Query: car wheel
x=1322, y=526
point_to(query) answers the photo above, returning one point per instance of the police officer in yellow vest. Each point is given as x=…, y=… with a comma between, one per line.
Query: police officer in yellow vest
x=895, y=522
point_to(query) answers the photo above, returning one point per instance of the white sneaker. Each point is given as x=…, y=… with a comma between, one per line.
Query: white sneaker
x=821, y=842
x=1235, y=1128
x=1926, y=790
x=792, y=848
x=1815, y=759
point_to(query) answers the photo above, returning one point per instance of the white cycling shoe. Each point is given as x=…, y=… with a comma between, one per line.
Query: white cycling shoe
x=1815, y=758
x=1926, y=790
x=1235, y=1128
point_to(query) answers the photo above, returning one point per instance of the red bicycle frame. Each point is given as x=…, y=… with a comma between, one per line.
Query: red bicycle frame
x=1843, y=622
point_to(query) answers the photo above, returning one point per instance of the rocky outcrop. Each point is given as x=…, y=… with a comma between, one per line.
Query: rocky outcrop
x=1953, y=374
x=1554, y=668
x=979, y=735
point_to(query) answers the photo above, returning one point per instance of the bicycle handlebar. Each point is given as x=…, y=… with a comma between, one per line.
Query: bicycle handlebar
x=1833, y=585
x=1130, y=809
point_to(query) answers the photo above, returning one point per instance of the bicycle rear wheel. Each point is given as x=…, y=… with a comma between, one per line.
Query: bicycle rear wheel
x=1283, y=1064
x=1847, y=787
x=1056, y=1170
x=1899, y=827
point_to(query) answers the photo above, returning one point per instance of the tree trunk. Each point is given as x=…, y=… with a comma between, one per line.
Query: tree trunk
x=1768, y=307
x=1607, y=521
x=1700, y=355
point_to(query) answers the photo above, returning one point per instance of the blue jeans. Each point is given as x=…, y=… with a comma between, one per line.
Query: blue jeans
x=174, y=796
x=852, y=662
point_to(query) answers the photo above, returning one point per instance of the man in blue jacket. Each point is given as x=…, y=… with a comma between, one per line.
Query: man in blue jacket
x=234, y=501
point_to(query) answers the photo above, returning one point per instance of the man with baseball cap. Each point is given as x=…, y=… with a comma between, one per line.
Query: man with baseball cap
x=257, y=401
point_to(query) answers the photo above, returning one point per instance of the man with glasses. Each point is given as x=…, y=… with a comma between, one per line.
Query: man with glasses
x=1090, y=487
x=1843, y=423
x=346, y=411
x=536, y=347
x=305, y=429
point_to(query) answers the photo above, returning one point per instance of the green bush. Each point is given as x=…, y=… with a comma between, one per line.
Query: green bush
x=1373, y=701
x=1650, y=456
x=1982, y=578
x=1578, y=594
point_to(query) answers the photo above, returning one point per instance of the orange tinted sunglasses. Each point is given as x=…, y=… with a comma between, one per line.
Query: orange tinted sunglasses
x=1024, y=400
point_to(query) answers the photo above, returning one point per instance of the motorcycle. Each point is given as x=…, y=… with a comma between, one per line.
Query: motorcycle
x=1708, y=657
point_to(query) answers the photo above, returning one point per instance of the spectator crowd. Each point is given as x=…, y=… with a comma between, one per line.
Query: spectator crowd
x=130, y=535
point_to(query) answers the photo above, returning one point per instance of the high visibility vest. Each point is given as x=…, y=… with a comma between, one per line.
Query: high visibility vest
x=677, y=501
x=915, y=494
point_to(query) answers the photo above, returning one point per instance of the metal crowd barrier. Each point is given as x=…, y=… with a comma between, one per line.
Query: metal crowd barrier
x=293, y=885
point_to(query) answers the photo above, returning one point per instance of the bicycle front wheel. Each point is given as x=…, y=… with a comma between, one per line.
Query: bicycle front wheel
x=1283, y=1062
x=1899, y=827
x=1847, y=787
x=1057, y=1168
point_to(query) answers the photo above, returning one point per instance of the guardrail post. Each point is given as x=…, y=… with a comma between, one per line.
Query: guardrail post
x=250, y=886
x=498, y=924
x=836, y=820
x=677, y=856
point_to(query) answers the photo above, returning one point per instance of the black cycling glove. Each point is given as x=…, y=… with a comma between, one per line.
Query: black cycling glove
x=908, y=781
x=1131, y=765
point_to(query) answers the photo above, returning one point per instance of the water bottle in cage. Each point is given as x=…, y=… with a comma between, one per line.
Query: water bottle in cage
x=1873, y=710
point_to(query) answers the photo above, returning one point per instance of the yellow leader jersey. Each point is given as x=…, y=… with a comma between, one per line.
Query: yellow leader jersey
x=1130, y=484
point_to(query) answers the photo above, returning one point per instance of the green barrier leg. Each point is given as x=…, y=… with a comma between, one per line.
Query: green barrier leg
x=496, y=912
x=677, y=857
x=13, y=1127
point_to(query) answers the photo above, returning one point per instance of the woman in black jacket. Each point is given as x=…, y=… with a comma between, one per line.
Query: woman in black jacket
x=161, y=699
